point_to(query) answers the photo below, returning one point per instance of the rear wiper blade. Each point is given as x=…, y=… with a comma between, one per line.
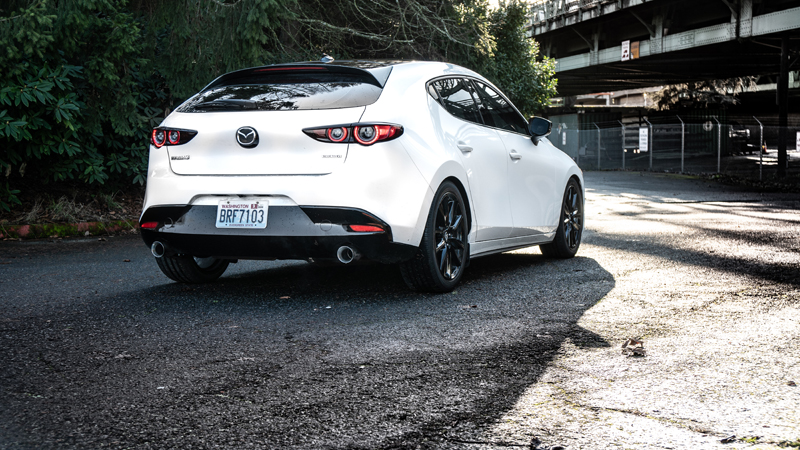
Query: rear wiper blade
x=228, y=103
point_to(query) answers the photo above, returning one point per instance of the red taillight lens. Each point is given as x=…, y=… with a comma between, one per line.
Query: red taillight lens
x=363, y=133
x=149, y=225
x=365, y=228
x=385, y=132
x=159, y=137
x=171, y=136
x=337, y=134
x=366, y=135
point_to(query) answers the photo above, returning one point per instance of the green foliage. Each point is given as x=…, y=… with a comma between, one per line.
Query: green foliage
x=71, y=102
x=514, y=64
x=191, y=42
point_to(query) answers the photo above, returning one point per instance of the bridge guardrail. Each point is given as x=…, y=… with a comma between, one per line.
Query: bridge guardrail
x=543, y=10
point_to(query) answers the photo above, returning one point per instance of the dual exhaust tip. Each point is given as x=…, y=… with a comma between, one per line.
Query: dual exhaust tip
x=345, y=254
x=158, y=249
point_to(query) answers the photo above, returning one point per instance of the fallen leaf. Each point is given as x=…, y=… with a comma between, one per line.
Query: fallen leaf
x=285, y=297
x=633, y=347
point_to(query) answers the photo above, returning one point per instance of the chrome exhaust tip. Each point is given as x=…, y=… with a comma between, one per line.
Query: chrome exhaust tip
x=347, y=254
x=158, y=249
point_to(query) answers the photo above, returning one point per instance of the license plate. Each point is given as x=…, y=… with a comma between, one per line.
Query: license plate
x=241, y=213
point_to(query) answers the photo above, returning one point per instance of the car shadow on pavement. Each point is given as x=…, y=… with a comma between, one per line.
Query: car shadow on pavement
x=299, y=356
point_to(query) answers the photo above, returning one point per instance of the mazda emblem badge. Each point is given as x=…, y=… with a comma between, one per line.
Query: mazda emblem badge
x=247, y=137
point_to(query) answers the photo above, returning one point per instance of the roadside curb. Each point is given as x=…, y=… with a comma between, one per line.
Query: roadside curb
x=62, y=230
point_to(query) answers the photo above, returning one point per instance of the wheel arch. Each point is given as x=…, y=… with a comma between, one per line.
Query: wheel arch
x=574, y=173
x=454, y=172
x=463, y=191
x=578, y=180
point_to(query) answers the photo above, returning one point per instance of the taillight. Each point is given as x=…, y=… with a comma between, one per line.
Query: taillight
x=159, y=137
x=366, y=135
x=149, y=225
x=363, y=133
x=171, y=136
x=337, y=134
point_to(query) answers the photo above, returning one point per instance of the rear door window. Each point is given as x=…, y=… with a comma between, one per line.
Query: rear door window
x=498, y=112
x=456, y=95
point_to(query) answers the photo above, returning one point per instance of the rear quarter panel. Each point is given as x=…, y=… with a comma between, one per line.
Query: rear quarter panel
x=406, y=101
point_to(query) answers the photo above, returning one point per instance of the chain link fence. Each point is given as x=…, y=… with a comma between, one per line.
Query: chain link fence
x=743, y=149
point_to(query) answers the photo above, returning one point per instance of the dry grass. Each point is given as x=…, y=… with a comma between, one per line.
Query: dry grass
x=71, y=204
x=35, y=213
x=70, y=210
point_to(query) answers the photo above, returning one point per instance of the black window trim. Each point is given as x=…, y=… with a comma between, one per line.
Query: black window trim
x=472, y=79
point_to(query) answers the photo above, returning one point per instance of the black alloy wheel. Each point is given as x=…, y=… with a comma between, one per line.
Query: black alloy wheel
x=444, y=251
x=570, y=226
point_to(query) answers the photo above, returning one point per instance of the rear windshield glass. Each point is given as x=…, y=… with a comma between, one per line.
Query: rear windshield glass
x=285, y=92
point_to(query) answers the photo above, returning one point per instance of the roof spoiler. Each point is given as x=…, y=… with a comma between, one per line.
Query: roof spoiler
x=377, y=75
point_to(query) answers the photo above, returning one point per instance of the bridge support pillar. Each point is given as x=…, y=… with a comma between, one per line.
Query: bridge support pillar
x=783, y=106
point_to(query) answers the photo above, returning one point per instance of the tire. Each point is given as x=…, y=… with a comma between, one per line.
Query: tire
x=570, y=225
x=444, y=251
x=188, y=269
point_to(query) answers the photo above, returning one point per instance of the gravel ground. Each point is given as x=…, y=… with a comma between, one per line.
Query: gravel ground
x=99, y=350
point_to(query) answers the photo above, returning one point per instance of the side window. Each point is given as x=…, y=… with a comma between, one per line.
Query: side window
x=455, y=94
x=498, y=112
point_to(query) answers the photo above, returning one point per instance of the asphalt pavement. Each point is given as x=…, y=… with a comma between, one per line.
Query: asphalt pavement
x=99, y=350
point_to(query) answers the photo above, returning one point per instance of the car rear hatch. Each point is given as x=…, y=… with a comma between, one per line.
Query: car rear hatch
x=250, y=122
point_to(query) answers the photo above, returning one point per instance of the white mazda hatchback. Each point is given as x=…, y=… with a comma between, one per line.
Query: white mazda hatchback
x=420, y=164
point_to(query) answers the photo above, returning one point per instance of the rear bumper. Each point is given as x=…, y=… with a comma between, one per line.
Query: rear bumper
x=293, y=232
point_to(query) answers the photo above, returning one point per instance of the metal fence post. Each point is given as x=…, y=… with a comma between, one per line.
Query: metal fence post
x=719, y=144
x=760, y=149
x=623, y=144
x=650, y=141
x=683, y=135
x=598, y=145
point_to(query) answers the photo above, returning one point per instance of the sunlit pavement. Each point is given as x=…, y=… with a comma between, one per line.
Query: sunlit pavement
x=709, y=280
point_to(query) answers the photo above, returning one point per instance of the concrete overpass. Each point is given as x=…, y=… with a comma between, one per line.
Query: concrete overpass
x=677, y=40
x=613, y=45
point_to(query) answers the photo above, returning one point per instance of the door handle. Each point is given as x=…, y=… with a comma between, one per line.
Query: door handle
x=463, y=147
x=515, y=155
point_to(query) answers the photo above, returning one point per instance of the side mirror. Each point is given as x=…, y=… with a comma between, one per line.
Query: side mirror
x=539, y=127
